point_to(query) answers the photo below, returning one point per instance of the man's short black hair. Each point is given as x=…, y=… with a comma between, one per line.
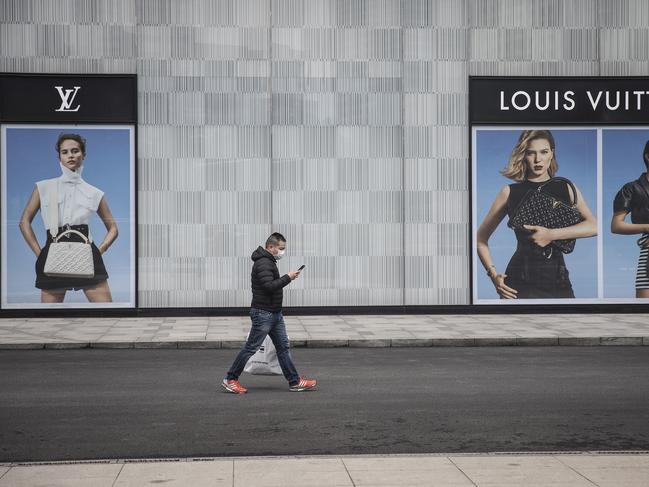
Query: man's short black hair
x=645, y=155
x=275, y=239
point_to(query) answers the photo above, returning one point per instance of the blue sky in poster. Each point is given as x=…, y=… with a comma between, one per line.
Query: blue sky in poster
x=31, y=157
x=621, y=163
x=576, y=152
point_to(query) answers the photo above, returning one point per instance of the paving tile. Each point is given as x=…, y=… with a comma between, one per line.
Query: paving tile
x=141, y=338
x=542, y=483
x=281, y=472
x=3, y=470
x=510, y=470
x=224, y=336
x=318, y=343
x=305, y=478
x=411, y=478
x=26, y=337
x=288, y=464
x=117, y=338
x=79, y=475
x=589, y=461
x=332, y=336
x=398, y=462
x=177, y=474
x=330, y=327
x=86, y=337
x=403, y=470
x=617, y=476
x=181, y=336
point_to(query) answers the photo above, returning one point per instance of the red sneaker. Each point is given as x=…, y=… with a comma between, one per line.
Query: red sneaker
x=304, y=385
x=233, y=386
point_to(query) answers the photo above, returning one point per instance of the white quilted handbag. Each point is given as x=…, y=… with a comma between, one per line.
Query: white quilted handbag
x=70, y=259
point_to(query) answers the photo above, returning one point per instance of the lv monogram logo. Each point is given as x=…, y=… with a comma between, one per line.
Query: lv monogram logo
x=67, y=99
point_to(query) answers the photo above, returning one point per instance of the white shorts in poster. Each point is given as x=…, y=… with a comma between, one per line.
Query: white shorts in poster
x=101, y=196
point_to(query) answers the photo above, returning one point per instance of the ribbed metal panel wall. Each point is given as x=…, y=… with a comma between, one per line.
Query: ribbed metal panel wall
x=341, y=123
x=61, y=36
x=624, y=38
x=338, y=148
x=436, y=152
x=205, y=152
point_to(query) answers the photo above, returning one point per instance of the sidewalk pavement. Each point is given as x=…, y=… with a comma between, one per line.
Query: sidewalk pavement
x=457, y=470
x=330, y=331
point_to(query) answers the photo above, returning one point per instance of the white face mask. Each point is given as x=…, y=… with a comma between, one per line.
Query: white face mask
x=280, y=254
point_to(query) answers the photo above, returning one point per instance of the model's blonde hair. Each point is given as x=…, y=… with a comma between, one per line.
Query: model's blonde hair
x=516, y=167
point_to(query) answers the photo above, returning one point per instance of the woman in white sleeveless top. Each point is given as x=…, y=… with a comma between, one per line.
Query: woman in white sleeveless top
x=77, y=202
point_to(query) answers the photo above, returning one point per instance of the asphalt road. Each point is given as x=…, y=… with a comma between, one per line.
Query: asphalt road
x=92, y=404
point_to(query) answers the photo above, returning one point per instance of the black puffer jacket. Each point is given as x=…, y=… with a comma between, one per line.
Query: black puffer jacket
x=267, y=286
x=634, y=198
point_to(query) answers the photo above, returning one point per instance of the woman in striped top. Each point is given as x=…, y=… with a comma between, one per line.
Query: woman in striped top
x=634, y=198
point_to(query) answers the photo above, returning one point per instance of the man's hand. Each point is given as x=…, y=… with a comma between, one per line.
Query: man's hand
x=293, y=275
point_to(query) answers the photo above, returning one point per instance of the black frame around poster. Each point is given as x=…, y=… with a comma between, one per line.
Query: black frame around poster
x=510, y=103
x=95, y=103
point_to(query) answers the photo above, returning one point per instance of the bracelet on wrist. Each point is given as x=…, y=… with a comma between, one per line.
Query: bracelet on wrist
x=489, y=271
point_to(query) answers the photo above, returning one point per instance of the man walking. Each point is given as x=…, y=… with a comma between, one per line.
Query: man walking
x=267, y=318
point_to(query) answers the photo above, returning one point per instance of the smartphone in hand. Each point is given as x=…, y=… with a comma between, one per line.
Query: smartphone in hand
x=301, y=267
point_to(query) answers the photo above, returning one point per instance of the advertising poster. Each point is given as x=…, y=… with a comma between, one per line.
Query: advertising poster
x=68, y=216
x=625, y=160
x=559, y=190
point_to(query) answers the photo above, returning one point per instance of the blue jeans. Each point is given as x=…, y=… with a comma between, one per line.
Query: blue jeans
x=272, y=324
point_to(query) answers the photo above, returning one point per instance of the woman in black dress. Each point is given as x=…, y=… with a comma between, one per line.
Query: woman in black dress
x=634, y=198
x=535, y=271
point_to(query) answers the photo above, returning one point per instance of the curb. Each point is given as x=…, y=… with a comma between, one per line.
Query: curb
x=346, y=343
x=202, y=459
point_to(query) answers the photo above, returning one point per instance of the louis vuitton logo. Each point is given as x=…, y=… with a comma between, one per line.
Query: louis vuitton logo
x=67, y=99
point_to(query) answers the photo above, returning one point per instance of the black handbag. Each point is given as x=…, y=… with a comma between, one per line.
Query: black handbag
x=540, y=208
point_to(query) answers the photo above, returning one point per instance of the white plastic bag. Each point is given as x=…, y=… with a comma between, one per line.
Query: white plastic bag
x=264, y=361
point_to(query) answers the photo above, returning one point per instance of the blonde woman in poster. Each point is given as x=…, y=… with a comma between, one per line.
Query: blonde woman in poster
x=77, y=202
x=536, y=270
x=633, y=198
